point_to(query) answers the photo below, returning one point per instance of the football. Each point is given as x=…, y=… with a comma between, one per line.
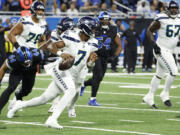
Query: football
x=66, y=63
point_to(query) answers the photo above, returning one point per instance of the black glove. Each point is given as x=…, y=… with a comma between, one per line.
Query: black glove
x=157, y=49
x=16, y=45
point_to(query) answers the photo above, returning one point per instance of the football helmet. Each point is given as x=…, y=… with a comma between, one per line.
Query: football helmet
x=24, y=56
x=173, y=9
x=65, y=24
x=87, y=25
x=104, y=19
x=37, y=5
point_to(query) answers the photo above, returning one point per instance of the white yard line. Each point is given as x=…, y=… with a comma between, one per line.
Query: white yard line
x=110, y=104
x=108, y=93
x=82, y=122
x=135, y=121
x=130, y=109
x=174, y=120
x=86, y=128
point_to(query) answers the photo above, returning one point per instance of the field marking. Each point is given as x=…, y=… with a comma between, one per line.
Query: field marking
x=110, y=104
x=130, y=109
x=109, y=93
x=173, y=120
x=135, y=121
x=83, y=122
x=87, y=128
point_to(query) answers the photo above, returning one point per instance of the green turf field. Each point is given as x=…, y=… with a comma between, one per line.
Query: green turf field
x=121, y=111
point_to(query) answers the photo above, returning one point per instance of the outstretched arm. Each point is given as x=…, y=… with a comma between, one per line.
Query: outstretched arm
x=3, y=71
x=119, y=45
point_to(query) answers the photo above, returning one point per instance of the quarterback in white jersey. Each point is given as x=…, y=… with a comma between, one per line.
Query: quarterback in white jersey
x=79, y=43
x=168, y=27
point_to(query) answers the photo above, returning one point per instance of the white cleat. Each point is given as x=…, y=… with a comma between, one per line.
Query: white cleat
x=72, y=113
x=165, y=98
x=16, y=107
x=11, y=104
x=149, y=99
x=53, y=123
x=51, y=109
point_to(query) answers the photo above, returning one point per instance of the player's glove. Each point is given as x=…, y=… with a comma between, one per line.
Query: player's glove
x=16, y=45
x=157, y=49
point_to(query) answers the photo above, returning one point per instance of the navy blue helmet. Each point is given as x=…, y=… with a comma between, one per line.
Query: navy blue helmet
x=65, y=24
x=173, y=9
x=87, y=25
x=24, y=56
x=37, y=5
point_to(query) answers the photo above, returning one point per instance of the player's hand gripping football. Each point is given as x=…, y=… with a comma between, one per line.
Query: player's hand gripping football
x=67, y=62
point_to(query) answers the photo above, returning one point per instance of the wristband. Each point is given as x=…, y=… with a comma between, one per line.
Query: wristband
x=16, y=45
x=59, y=53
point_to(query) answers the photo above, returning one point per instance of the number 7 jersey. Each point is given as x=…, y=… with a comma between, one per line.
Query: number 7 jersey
x=169, y=31
x=79, y=49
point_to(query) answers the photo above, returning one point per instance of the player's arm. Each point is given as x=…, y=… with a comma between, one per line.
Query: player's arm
x=53, y=47
x=91, y=60
x=3, y=70
x=45, y=45
x=16, y=30
x=42, y=40
x=119, y=45
x=154, y=26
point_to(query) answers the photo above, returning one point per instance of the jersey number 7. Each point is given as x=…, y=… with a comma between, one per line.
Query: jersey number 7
x=83, y=54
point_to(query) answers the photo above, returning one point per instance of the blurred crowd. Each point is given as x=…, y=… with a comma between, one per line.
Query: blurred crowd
x=90, y=6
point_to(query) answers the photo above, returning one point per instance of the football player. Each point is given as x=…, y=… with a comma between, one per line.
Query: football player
x=81, y=44
x=168, y=27
x=27, y=32
x=107, y=36
x=63, y=25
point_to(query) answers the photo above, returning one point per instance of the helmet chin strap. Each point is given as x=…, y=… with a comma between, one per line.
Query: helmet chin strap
x=173, y=16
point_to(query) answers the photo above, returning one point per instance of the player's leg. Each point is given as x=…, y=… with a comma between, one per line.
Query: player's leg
x=170, y=63
x=98, y=74
x=71, y=106
x=54, y=104
x=51, y=92
x=160, y=72
x=66, y=98
x=14, y=80
x=27, y=84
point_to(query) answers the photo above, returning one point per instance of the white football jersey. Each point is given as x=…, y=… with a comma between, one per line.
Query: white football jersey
x=32, y=32
x=169, y=32
x=80, y=50
x=54, y=36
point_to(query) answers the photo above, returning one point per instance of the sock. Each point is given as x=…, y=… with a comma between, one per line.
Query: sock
x=168, y=83
x=154, y=85
x=92, y=98
x=72, y=103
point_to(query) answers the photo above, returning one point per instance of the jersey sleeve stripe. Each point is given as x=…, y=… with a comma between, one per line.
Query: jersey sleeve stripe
x=70, y=38
x=28, y=23
x=95, y=45
x=160, y=18
x=54, y=38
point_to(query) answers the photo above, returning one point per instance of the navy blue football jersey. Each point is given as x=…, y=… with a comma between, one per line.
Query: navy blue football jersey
x=106, y=39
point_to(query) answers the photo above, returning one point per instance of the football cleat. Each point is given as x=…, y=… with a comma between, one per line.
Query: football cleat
x=93, y=102
x=12, y=103
x=72, y=113
x=150, y=101
x=168, y=103
x=53, y=123
x=82, y=90
x=16, y=107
